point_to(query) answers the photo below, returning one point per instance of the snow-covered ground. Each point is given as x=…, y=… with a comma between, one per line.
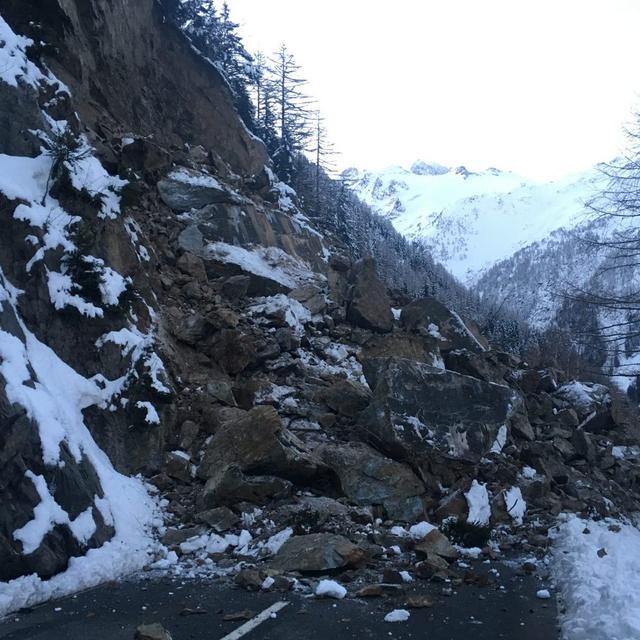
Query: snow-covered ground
x=596, y=567
x=472, y=220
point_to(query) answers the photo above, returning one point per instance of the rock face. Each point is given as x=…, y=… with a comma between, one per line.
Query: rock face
x=369, y=305
x=172, y=94
x=418, y=409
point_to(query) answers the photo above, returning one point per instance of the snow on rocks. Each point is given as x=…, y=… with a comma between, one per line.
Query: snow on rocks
x=501, y=440
x=14, y=64
x=267, y=262
x=330, y=589
x=420, y=530
x=600, y=591
x=543, y=594
x=515, y=504
x=478, y=502
x=397, y=615
x=54, y=397
x=292, y=311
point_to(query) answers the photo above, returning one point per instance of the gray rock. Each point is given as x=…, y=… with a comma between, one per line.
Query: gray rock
x=153, y=631
x=346, y=397
x=257, y=442
x=230, y=485
x=178, y=467
x=368, y=306
x=318, y=552
x=430, y=317
x=418, y=410
x=195, y=192
x=220, y=519
x=436, y=543
x=368, y=478
x=236, y=287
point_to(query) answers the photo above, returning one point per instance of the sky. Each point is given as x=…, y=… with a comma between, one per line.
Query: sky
x=539, y=87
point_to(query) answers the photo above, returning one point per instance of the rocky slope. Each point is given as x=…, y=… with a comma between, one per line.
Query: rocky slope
x=167, y=310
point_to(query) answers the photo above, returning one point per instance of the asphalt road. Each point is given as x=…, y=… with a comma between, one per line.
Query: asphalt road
x=112, y=612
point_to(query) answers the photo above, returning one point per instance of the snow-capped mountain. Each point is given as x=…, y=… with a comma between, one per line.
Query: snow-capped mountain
x=473, y=220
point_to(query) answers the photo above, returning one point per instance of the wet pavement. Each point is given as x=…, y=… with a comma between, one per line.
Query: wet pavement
x=507, y=608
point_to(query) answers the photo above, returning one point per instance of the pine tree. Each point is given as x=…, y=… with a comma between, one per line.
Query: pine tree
x=324, y=153
x=292, y=112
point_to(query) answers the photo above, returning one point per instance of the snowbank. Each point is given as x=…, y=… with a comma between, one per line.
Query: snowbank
x=596, y=566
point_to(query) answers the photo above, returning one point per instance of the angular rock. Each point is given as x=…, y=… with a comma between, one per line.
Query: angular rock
x=537, y=380
x=430, y=317
x=432, y=566
x=583, y=445
x=368, y=478
x=192, y=266
x=404, y=345
x=178, y=466
x=153, y=631
x=318, y=552
x=418, y=410
x=346, y=397
x=250, y=579
x=188, y=433
x=185, y=189
x=436, y=543
x=230, y=486
x=257, y=443
x=236, y=287
x=369, y=306
x=220, y=519
x=485, y=365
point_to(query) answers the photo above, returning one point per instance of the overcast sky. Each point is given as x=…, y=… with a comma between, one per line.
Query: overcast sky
x=540, y=87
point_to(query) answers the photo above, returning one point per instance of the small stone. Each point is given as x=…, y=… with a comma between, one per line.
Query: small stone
x=249, y=579
x=245, y=614
x=419, y=602
x=153, y=631
x=391, y=576
x=436, y=543
x=370, y=591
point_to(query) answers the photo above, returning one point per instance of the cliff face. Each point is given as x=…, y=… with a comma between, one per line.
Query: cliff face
x=166, y=309
x=131, y=71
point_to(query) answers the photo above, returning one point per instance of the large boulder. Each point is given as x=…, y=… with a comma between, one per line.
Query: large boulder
x=368, y=478
x=230, y=486
x=418, y=410
x=430, y=317
x=185, y=189
x=256, y=444
x=318, y=552
x=368, y=306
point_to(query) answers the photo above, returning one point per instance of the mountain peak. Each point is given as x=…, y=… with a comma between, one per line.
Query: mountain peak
x=422, y=168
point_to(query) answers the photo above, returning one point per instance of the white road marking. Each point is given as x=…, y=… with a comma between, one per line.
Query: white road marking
x=254, y=622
